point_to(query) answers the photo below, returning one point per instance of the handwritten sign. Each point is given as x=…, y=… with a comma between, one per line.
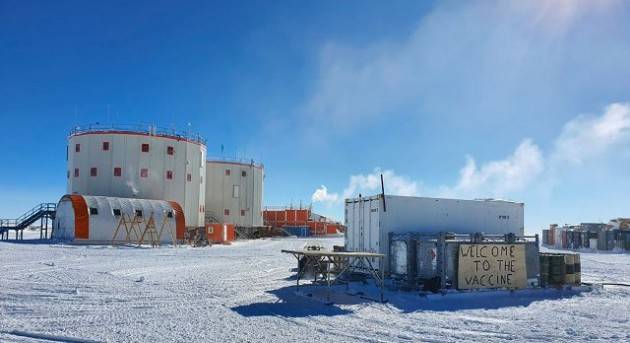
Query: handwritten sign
x=491, y=266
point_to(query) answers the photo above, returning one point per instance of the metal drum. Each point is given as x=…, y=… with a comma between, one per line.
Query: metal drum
x=585, y=240
x=557, y=269
x=569, y=261
x=544, y=269
x=578, y=238
x=577, y=269
x=610, y=240
x=565, y=239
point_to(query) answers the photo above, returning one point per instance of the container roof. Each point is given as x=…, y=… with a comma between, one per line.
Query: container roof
x=377, y=196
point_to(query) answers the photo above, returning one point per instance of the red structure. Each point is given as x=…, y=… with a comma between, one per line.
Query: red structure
x=220, y=233
x=279, y=217
x=286, y=217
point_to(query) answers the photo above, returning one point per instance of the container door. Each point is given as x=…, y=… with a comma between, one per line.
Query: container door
x=361, y=221
x=353, y=223
x=370, y=233
x=368, y=225
x=374, y=227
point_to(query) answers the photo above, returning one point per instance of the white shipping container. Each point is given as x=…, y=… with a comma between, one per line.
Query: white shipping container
x=369, y=223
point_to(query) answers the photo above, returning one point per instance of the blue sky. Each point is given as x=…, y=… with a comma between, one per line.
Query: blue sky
x=520, y=100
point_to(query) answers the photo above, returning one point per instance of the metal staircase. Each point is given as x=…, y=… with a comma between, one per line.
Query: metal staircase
x=45, y=213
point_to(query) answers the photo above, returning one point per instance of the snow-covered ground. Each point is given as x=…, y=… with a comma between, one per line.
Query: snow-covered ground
x=245, y=292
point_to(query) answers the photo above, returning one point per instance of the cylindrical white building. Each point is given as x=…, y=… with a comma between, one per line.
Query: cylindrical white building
x=234, y=193
x=132, y=163
x=97, y=219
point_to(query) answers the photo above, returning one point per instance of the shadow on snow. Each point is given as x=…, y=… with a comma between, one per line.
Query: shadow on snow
x=31, y=241
x=290, y=304
x=490, y=300
x=312, y=300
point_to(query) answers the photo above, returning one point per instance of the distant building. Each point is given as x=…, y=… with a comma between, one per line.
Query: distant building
x=620, y=223
x=596, y=236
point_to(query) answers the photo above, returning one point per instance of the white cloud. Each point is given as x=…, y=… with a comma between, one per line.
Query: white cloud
x=581, y=139
x=585, y=137
x=371, y=183
x=321, y=195
x=495, y=54
x=501, y=177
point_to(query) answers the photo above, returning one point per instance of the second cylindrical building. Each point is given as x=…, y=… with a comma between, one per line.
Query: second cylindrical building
x=234, y=193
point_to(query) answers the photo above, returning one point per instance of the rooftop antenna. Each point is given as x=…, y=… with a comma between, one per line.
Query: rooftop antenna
x=383, y=193
x=108, y=116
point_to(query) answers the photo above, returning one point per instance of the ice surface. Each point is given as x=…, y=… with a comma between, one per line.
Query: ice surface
x=246, y=292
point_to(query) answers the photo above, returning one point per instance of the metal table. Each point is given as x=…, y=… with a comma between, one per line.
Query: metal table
x=337, y=263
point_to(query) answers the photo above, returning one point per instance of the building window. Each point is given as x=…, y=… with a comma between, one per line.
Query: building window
x=116, y=212
x=76, y=172
x=227, y=172
x=145, y=147
x=243, y=173
x=169, y=214
x=93, y=171
x=93, y=211
x=117, y=171
x=243, y=213
x=144, y=172
x=169, y=175
x=236, y=189
x=77, y=148
x=226, y=212
x=170, y=150
x=138, y=213
x=188, y=177
x=68, y=176
x=105, y=146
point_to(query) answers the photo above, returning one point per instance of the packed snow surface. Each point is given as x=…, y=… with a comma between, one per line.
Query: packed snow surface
x=246, y=292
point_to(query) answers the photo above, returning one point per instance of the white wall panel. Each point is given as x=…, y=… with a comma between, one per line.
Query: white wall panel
x=220, y=192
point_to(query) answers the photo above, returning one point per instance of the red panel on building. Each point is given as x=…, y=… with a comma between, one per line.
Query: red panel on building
x=220, y=233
